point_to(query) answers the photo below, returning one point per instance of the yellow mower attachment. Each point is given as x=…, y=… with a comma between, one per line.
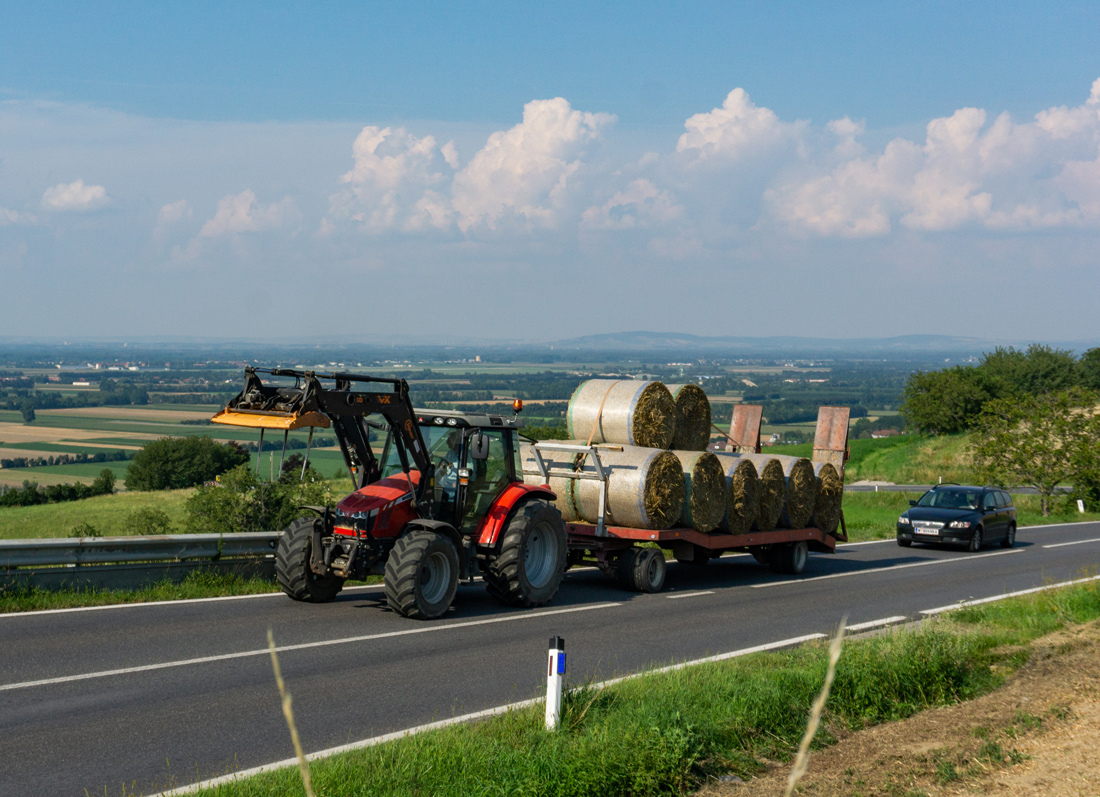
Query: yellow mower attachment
x=286, y=422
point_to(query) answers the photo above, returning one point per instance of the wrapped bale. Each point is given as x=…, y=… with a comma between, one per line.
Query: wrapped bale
x=645, y=488
x=801, y=491
x=561, y=486
x=704, y=490
x=626, y=412
x=830, y=495
x=773, y=490
x=693, y=418
x=742, y=493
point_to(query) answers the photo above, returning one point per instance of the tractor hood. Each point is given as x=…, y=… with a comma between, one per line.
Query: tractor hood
x=381, y=495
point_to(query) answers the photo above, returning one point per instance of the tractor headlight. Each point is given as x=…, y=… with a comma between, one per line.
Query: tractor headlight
x=959, y=524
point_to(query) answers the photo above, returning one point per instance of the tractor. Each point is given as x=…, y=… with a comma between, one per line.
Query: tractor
x=443, y=500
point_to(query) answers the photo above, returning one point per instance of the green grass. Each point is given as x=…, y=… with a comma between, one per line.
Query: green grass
x=664, y=734
x=902, y=459
x=196, y=585
x=873, y=516
x=108, y=513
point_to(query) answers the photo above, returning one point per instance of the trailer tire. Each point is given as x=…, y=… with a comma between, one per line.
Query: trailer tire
x=790, y=558
x=648, y=570
x=422, y=575
x=533, y=551
x=292, y=571
x=624, y=568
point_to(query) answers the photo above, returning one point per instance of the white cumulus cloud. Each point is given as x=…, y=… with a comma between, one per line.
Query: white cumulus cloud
x=736, y=129
x=173, y=212
x=240, y=213
x=75, y=196
x=525, y=173
x=10, y=217
x=640, y=204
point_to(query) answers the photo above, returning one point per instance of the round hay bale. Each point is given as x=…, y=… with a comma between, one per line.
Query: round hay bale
x=704, y=490
x=742, y=493
x=645, y=488
x=801, y=492
x=634, y=413
x=773, y=490
x=692, y=418
x=830, y=495
x=561, y=486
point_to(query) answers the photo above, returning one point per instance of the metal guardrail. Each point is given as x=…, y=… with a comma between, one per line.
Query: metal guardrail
x=130, y=562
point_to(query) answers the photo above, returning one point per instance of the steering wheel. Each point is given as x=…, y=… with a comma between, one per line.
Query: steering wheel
x=442, y=464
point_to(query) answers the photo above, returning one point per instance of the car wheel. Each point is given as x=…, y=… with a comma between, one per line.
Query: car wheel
x=976, y=539
x=905, y=543
x=1010, y=538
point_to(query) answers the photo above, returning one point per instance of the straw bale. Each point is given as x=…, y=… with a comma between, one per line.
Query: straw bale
x=742, y=493
x=830, y=496
x=773, y=490
x=693, y=418
x=704, y=490
x=561, y=486
x=634, y=413
x=645, y=488
x=801, y=492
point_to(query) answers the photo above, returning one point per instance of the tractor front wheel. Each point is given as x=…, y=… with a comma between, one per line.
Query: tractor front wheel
x=529, y=568
x=422, y=575
x=292, y=565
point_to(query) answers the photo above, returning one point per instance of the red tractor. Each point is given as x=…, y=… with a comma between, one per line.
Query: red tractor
x=442, y=500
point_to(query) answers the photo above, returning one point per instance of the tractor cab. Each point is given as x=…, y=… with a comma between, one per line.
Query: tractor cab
x=476, y=458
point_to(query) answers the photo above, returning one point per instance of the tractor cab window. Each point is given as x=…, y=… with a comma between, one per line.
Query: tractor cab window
x=445, y=451
x=488, y=478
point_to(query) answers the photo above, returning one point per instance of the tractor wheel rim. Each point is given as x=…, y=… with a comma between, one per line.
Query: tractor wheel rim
x=435, y=576
x=540, y=556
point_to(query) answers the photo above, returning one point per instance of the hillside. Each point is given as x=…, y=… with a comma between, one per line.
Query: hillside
x=903, y=460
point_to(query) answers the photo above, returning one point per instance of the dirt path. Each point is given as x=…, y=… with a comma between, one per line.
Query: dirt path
x=1037, y=735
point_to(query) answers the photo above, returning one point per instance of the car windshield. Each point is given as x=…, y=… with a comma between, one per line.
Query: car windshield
x=950, y=499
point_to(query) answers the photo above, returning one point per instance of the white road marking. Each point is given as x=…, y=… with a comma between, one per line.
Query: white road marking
x=476, y=715
x=865, y=542
x=884, y=569
x=867, y=626
x=420, y=629
x=171, y=603
x=1075, y=542
x=1018, y=593
x=689, y=595
x=1061, y=525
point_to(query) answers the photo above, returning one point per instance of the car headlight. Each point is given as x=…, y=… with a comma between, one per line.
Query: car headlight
x=959, y=524
x=903, y=521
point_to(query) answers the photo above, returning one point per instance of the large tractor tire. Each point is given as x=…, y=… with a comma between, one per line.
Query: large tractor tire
x=533, y=550
x=292, y=565
x=422, y=575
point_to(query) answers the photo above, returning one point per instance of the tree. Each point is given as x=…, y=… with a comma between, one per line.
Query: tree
x=1088, y=368
x=1040, y=369
x=1038, y=441
x=243, y=502
x=171, y=463
x=27, y=409
x=949, y=401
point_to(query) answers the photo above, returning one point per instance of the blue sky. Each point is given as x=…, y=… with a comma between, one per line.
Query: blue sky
x=535, y=171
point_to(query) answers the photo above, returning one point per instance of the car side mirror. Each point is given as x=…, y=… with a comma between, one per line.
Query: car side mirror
x=912, y=502
x=479, y=446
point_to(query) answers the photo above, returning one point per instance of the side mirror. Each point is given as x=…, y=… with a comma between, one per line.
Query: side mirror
x=479, y=446
x=912, y=502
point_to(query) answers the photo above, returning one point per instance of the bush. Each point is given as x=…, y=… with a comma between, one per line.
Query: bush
x=172, y=463
x=148, y=521
x=85, y=530
x=242, y=502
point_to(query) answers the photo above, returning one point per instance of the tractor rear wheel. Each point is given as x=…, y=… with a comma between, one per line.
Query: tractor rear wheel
x=292, y=565
x=529, y=567
x=422, y=575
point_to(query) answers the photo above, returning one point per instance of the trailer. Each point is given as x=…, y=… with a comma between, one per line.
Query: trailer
x=635, y=557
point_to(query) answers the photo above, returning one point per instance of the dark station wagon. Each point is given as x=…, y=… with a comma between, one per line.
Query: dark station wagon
x=950, y=513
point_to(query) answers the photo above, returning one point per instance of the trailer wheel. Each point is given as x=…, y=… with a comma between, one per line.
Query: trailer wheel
x=422, y=575
x=533, y=551
x=790, y=558
x=292, y=565
x=648, y=570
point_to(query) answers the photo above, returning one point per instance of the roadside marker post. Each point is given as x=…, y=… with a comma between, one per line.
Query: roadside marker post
x=1080, y=505
x=555, y=673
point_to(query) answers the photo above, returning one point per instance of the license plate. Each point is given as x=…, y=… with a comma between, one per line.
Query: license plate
x=933, y=532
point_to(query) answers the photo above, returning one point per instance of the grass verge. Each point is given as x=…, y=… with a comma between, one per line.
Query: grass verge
x=107, y=513
x=665, y=734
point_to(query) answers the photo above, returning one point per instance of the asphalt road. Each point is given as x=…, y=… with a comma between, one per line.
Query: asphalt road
x=166, y=694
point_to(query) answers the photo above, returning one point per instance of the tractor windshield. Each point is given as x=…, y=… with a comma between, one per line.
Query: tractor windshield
x=444, y=447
